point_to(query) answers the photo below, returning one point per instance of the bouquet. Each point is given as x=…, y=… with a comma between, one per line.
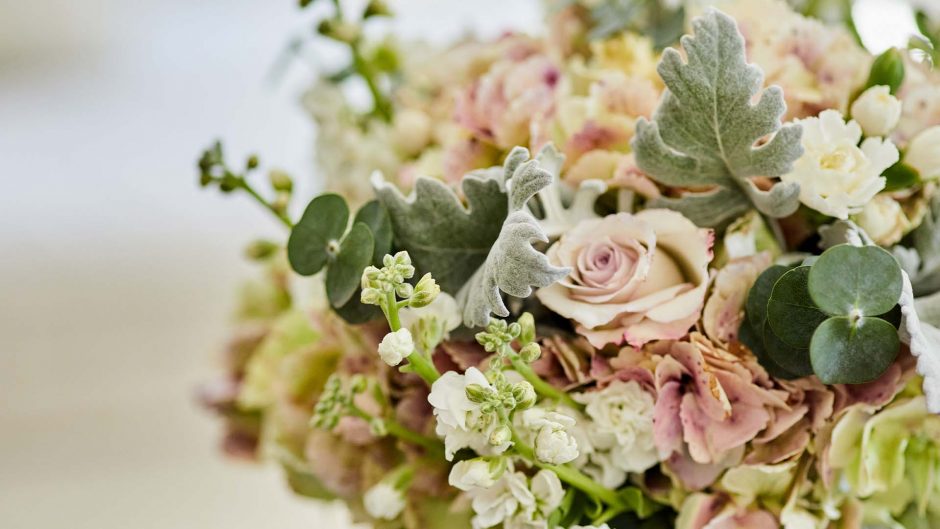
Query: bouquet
x=664, y=266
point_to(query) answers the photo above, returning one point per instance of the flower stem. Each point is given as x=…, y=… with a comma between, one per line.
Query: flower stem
x=541, y=387
x=418, y=363
x=398, y=430
x=281, y=216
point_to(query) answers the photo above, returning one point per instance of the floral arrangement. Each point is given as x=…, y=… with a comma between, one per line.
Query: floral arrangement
x=606, y=278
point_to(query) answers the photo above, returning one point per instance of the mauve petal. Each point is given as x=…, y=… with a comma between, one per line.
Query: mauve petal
x=694, y=424
x=745, y=422
x=667, y=427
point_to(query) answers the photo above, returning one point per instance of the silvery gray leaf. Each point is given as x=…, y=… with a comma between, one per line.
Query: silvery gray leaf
x=705, y=131
x=557, y=215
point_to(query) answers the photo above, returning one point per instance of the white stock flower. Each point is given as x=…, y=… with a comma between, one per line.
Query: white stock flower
x=396, y=346
x=622, y=423
x=877, y=111
x=383, y=501
x=923, y=153
x=474, y=474
x=838, y=177
x=883, y=219
x=553, y=444
x=459, y=421
x=516, y=502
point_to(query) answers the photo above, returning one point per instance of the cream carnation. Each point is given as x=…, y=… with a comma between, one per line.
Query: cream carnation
x=877, y=111
x=622, y=422
x=838, y=177
x=553, y=444
x=635, y=277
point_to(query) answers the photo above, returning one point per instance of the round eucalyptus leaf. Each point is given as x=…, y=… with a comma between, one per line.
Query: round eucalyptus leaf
x=759, y=295
x=323, y=222
x=755, y=342
x=791, y=312
x=374, y=215
x=844, y=352
x=847, y=278
x=343, y=276
x=791, y=359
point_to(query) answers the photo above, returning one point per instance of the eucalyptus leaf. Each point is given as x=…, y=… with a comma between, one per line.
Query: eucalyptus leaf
x=445, y=238
x=513, y=265
x=322, y=225
x=844, y=351
x=754, y=340
x=791, y=359
x=862, y=279
x=374, y=215
x=704, y=132
x=344, y=274
x=759, y=296
x=791, y=312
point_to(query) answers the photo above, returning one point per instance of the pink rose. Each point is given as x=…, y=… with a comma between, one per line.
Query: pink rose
x=635, y=277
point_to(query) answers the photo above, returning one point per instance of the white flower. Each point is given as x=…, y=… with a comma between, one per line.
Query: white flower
x=836, y=176
x=475, y=473
x=383, y=501
x=923, y=153
x=622, y=423
x=442, y=310
x=884, y=220
x=877, y=111
x=553, y=444
x=517, y=503
x=459, y=421
x=396, y=346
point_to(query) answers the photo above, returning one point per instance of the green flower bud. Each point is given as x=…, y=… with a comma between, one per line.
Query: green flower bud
x=478, y=394
x=260, y=250
x=376, y=8
x=357, y=383
x=280, y=181
x=252, y=162
x=425, y=292
x=527, y=328
x=501, y=435
x=525, y=395
x=377, y=427
x=531, y=352
x=887, y=70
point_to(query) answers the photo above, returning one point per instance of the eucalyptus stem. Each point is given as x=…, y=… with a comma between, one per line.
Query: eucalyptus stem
x=541, y=387
x=418, y=363
x=243, y=184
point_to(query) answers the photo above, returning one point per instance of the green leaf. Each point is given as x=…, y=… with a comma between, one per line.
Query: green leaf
x=343, y=275
x=354, y=312
x=703, y=133
x=445, y=238
x=887, y=70
x=791, y=312
x=794, y=360
x=844, y=352
x=847, y=279
x=513, y=265
x=755, y=342
x=374, y=215
x=759, y=296
x=900, y=176
x=323, y=222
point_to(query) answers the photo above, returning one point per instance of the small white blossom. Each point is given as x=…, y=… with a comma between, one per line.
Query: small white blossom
x=553, y=444
x=475, y=473
x=838, y=177
x=383, y=501
x=396, y=346
x=621, y=423
x=459, y=421
x=877, y=111
x=883, y=219
x=517, y=503
x=923, y=153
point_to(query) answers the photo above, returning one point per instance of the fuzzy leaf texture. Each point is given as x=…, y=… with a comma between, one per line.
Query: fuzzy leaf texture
x=705, y=131
x=513, y=265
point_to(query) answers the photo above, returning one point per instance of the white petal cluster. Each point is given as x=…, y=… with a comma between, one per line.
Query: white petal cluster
x=461, y=422
x=474, y=474
x=396, y=346
x=883, y=219
x=837, y=176
x=923, y=153
x=620, y=431
x=516, y=502
x=384, y=502
x=553, y=442
x=877, y=111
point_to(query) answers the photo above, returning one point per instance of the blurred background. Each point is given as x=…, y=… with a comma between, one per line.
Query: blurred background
x=117, y=273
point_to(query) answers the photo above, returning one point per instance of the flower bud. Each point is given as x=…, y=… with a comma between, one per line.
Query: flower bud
x=384, y=501
x=477, y=393
x=377, y=427
x=252, y=162
x=883, y=220
x=396, y=346
x=501, y=435
x=877, y=111
x=923, y=153
x=376, y=8
x=527, y=328
x=425, y=292
x=280, y=181
x=525, y=394
x=371, y=296
x=477, y=473
x=555, y=446
x=357, y=383
x=530, y=353
x=887, y=70
x=260, y=250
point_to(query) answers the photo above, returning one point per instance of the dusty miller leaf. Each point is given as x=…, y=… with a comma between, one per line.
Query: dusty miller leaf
x=556, y=215
x=444, y=237
x=513, y=265
x=703, y=133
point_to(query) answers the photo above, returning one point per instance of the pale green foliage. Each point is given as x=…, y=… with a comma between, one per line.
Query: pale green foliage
x=704, y=132
x=480, y=249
